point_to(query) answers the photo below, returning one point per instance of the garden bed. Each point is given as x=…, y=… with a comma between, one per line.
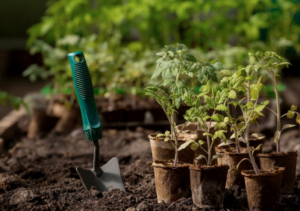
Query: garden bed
x=45, y=176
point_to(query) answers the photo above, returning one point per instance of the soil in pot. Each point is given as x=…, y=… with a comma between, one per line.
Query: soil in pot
x=208, y=185
x=191, y=131
x=231, y=158
x=171, y=183
x=162, y=150
x=288, y=161
x=263, y=190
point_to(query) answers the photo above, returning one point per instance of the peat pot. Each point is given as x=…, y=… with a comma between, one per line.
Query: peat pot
x=171, y=183
x=288, y=161
x=263, y=190
x=191, y=131
x=208, y=185
x=164, y=150
x=231, y=158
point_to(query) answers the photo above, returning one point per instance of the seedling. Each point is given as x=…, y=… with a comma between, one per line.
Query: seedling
x=270, y=62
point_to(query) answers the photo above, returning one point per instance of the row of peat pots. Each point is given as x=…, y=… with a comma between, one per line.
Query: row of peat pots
x=208, y=183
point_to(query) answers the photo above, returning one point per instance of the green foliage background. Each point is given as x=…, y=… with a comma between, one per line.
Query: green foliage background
x=119, y=37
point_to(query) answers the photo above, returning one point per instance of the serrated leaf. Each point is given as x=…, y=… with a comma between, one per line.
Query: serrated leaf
x=221, y=107
x=198, y=103
x=254, y=94
x=183, y=146
x=287, y=126
x=249, y=104
x=248, y=69
x=188, y=100
x=237, y=166
x=277, y=136
x=217, y=117
x=209, y=101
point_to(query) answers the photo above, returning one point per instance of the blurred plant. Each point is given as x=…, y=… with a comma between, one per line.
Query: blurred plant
x=16, y=102
x=118, y=34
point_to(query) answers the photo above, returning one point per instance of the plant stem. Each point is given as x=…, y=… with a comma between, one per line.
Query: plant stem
x=278, y=111
x=176, y=147
x=237, y=143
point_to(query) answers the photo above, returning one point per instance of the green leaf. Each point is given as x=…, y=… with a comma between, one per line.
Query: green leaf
x=217, y=117
x=298, y=118
x=156, y=72
x=207, y=134
x=257, y=148
x=257, y=136
x=194, y=146
x=249, y=104
x=188, y=100
x=218, y=66
x=232, y=94
x=249, y=78
x=201, y=157
x=293, y=107
x=216, y=156
x=209, y=101
x=201, y=142
x=167, y=139
x=167, y=133
x=183, y=146
x=290, y=114
x=237, y=166
x=287, y=126
x=222, y=107
x=198, y=103
x=254, y=94
x=277, y=136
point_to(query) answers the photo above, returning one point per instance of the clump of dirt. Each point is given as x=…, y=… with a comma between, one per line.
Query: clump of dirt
x=42, y=176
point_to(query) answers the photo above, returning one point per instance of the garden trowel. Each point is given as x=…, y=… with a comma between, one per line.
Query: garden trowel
x=103, y=178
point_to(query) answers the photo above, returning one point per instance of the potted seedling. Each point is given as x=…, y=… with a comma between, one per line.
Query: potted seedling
x=262, y=186
x=270, y=61
x=175, y=66
x=208, y=181
x=232, y=152
x=171, y=176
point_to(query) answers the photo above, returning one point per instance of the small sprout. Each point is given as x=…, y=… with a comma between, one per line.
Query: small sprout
x=167, y=133
x=166, y=139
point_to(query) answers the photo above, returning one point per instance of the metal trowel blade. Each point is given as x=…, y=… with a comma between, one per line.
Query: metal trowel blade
x=109, y=179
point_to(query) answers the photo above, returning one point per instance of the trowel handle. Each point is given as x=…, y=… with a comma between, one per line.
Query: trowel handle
x=85, y=94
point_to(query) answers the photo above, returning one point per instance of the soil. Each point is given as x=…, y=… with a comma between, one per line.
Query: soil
x=39, y=174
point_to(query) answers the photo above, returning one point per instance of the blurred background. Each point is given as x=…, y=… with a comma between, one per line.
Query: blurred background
x=120, y=39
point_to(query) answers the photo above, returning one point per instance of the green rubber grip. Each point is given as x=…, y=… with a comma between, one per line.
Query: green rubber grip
x=85, y=95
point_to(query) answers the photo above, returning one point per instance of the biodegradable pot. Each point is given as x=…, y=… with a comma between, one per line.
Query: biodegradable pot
x=171, y=183
x=164, y=150
x=263, y=190
x=208, y=185
x=191, y=131
x=281, y=159
x=231, y=158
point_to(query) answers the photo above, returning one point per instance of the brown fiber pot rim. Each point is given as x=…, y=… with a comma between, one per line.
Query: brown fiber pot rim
x=152, y=136
x=168, y=164
x=222, y=150
x=207, y=168
x=279, y=154
x=263, y=173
